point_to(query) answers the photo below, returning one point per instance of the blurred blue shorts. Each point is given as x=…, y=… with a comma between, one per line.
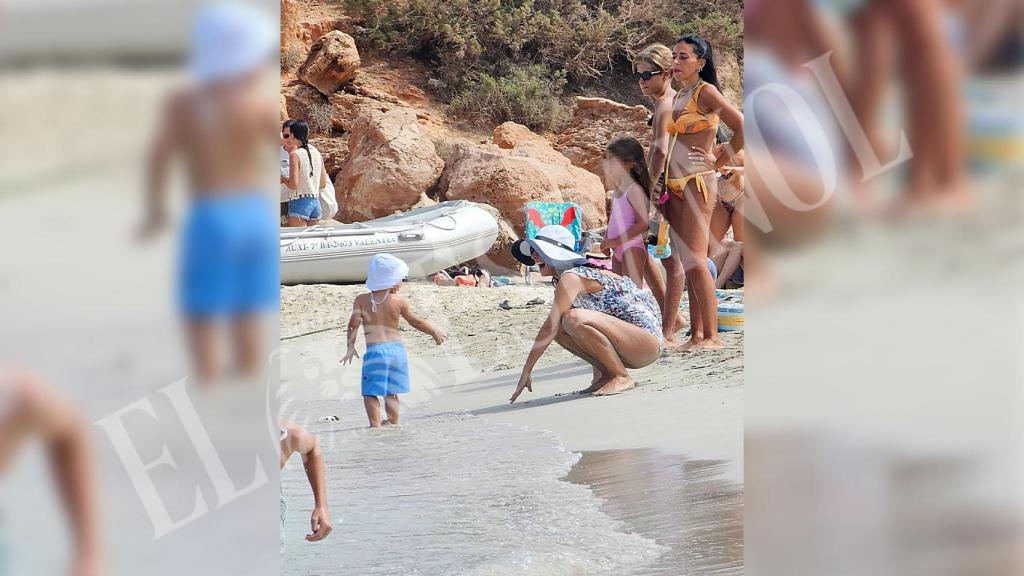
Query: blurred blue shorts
x=229, y=256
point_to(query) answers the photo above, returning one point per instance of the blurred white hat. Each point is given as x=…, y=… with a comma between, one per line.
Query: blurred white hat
x=385, y=272
x=230, y=40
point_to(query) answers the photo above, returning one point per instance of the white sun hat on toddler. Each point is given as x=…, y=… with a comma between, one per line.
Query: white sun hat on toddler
x=385, y=272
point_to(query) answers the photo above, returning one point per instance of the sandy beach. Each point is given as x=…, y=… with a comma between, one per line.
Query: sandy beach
x=662, y=461
x=493, y=339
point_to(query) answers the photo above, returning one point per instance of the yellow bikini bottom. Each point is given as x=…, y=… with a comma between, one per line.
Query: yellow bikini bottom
x=678, y=185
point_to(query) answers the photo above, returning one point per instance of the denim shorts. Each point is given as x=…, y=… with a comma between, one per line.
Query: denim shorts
x=305, y=207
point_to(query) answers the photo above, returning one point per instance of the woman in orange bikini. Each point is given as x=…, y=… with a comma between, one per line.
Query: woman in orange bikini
x=653, y=67
x=691, y=184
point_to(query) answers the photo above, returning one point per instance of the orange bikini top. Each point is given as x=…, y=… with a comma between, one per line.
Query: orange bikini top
x=692, y=120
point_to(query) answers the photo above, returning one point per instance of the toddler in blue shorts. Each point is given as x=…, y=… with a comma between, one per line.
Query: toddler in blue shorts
x=385, y=363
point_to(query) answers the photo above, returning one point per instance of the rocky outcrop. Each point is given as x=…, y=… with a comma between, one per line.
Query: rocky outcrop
x=299, y=99
x=423, y=202
x=333, y=61
x=302, y=25
x=595, y=123
x=289, y=24
x=310, y=31
x=347, y=109
x=391, y=163
x=730, y=77
x=509, y=179
x=508, y=134
x=334, y=151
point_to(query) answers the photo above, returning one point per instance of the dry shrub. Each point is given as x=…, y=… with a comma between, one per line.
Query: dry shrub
x=319, y=119
x=490, y=53
x=291, y=58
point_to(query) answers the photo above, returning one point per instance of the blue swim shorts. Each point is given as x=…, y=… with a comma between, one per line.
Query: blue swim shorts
x=230, y=253
x=385, y=369
x=306, y=207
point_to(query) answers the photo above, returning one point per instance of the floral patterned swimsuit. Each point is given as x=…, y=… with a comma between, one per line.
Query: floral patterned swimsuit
x=622, y=299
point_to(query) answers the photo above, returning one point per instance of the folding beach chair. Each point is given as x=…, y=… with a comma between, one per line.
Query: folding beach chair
x=540, y=214
x=568, y=214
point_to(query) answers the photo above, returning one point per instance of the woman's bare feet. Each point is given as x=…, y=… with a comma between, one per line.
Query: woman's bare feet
x=688, y=346
x=616, y=385
x=952, y=201
x=670, y=335
x=710, y=344
x=596, y=384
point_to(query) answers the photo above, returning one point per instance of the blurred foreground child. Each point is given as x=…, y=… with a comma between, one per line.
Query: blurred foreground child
x=223, y=128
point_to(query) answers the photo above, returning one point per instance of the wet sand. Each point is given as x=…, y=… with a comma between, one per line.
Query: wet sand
x=666, y=457
x=680, y=503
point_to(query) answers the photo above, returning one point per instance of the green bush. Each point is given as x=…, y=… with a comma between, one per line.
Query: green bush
x=471, y=36
x=527, y=95
x=724, y=33
x=505, y=49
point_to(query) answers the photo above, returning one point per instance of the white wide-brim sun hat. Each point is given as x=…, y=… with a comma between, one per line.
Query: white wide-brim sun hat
x=385, y=272
x=554, y=243
x=230, y=40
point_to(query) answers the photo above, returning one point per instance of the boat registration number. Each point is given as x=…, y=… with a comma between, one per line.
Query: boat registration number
x=320, y=244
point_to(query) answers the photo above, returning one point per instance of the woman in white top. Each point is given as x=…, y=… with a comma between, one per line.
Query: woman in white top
x=306, y=175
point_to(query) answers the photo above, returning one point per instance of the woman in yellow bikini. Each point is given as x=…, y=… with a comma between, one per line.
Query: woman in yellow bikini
x=691, y=184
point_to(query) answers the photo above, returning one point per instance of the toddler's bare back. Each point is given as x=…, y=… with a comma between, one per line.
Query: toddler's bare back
x=225, y=137
x=382, y=325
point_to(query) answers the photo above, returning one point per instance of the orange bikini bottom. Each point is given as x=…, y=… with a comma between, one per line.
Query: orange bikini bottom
x=678, y=185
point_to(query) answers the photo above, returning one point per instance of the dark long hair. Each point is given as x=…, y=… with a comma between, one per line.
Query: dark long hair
x=300, y=131
x=629, y=149
x=702, y=49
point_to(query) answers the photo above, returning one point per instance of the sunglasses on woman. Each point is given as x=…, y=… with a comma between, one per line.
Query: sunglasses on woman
x=645, y=76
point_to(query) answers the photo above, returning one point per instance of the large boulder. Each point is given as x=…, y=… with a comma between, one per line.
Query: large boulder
x=333, y=62
x=508, y=134
x=347, y=109
x=595, y=123
x=334, y=150
x=509, y=179
x=391, y=163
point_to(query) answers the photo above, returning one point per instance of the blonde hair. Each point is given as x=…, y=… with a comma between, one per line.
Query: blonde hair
x=659, y=57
